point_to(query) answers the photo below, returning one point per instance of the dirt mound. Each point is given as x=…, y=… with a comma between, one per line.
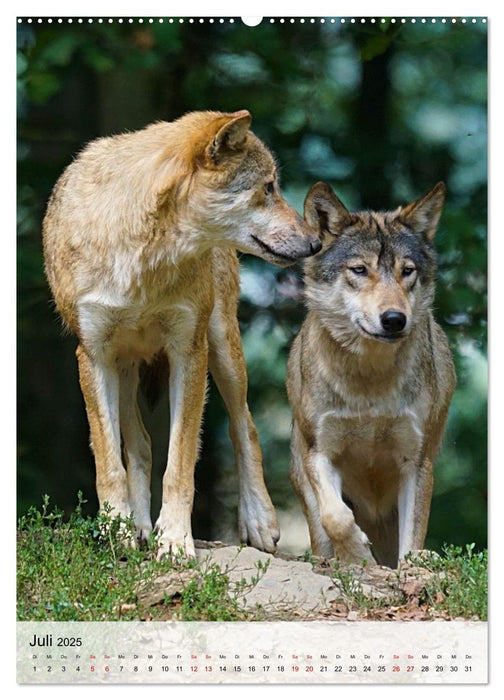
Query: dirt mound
x=283, y=587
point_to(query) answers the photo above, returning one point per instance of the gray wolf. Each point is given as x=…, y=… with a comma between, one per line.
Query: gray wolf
x=370, y=379
x=140, y=239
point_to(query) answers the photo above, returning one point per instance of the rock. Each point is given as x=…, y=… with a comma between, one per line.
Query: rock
x=282, y=587
x=275, y=584
x=413, y=588
x=164, y=586
x=124, y=608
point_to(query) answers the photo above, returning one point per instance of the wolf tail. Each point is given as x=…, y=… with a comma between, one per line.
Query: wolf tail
x=154, y=377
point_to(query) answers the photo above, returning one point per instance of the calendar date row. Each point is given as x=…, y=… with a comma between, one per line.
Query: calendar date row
x=283, y=668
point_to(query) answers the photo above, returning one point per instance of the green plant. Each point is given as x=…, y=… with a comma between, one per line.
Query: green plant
x=351, y=588
x=212, y=596
x=459, y=585
x=207, y=597
x=79, y=569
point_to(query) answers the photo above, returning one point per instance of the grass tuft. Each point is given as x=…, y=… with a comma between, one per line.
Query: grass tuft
x=459, y=585
x=83, y=569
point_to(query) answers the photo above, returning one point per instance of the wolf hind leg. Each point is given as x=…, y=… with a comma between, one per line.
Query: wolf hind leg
x=136, y=449
x=256, y=516
x=414, y=500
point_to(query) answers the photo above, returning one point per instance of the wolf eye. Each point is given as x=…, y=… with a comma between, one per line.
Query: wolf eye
x=359, y=269
x=269, y=187
x=408, y=270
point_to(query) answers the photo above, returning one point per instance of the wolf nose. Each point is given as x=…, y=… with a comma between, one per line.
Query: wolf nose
x=315, y=245
x=393, y=321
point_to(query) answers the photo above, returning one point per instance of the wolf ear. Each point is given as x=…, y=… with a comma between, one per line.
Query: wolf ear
x=423, y=214
x=230, y=134
x=323, y=211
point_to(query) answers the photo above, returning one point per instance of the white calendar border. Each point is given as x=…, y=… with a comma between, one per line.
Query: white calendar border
x=223, y=8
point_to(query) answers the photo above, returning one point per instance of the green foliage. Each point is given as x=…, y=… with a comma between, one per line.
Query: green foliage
x=460, y=582
x=209, y=598
x=84, y=568
x=350, y=587
x=461, y=469
x=451, y=585
x=80, y=569
x=212, y=596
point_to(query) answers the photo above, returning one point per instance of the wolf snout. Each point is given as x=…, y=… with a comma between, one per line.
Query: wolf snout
x=308, y=243
x=315, y=245
x=308, y=246
x=393, y=321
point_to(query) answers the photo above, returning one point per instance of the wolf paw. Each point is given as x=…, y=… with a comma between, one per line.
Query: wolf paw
x=355, y=550
x=258, y=525
x=143, y=533
x=174, y=545
x=350, y=543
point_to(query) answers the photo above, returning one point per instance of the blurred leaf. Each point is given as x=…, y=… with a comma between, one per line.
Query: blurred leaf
x=22, y=63
x=96, y=58
x=375, y=46
x=42, y=85
x=59, y=50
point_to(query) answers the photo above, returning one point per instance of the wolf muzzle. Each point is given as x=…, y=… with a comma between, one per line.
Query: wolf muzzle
x=313, y=246
x=392, y=321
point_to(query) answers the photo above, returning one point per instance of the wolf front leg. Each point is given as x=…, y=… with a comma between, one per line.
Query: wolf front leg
x=414, y=500
x=99, y=382
x=188, y=372
x=321, y=543
x=257, y=519
x=350, y=544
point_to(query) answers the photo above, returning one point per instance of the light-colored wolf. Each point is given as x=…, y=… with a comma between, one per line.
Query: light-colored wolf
x=140, y=240
x=370, y=379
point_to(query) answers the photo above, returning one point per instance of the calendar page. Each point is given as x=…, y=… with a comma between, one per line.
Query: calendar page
x=252, y=343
